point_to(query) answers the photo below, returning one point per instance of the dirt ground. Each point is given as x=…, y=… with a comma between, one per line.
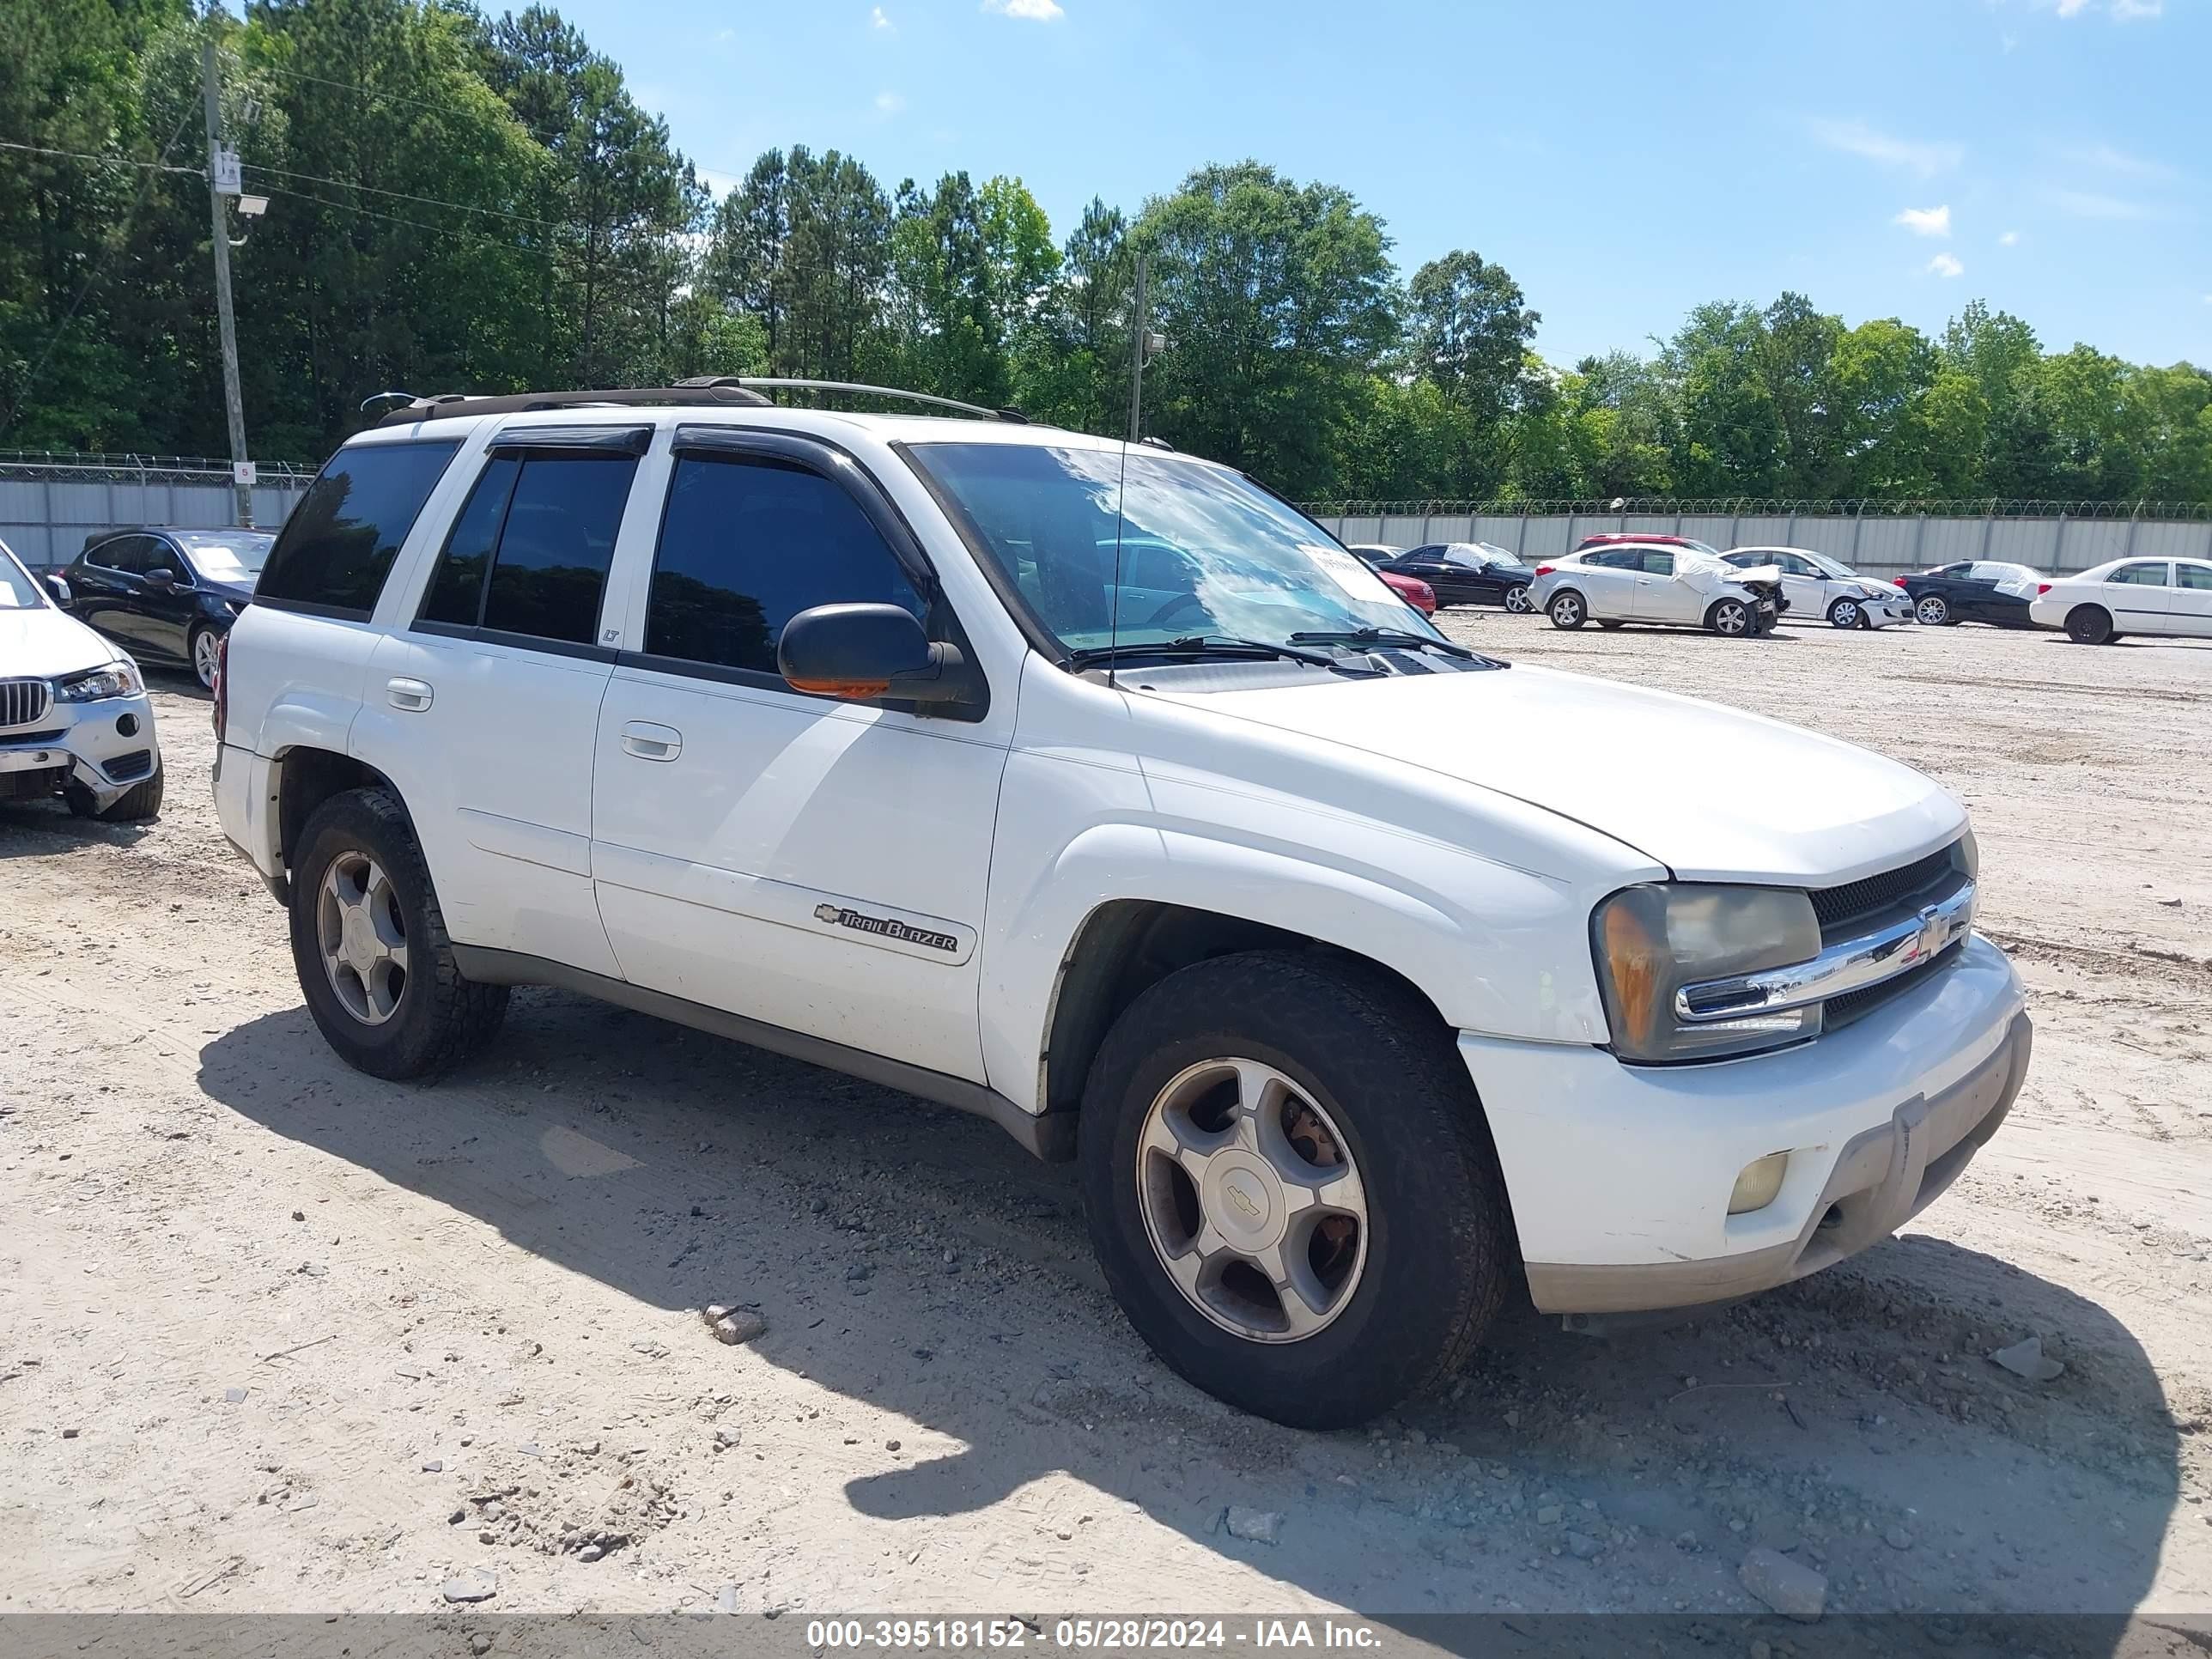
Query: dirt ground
x=276, y=1336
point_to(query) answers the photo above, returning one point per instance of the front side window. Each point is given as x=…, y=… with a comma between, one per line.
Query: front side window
x=748, y=543
x=1253, y=568
x=529, y=552
x=2140, y=575
x=1658, y=564
x=337, y=546
x=17, y=591
x=234, y=556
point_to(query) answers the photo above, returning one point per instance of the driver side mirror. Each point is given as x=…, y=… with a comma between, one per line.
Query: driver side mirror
x=161, y=581
x=861, y=651
x=58, y=588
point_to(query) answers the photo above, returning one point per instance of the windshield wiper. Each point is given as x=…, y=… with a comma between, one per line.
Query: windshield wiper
x=1393, y=636
x=1206, y=645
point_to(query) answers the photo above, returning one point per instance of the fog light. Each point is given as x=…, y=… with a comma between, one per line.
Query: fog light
x=1756, y=1186
x=126, y=725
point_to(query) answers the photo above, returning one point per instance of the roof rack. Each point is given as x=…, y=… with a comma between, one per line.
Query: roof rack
x=686, y=394
x=755, y=382
x=726, y=390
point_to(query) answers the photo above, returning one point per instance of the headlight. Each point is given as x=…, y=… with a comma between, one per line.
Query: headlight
x=1651, y=941
x=117, y=680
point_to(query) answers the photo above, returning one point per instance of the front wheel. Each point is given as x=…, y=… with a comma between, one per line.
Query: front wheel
x=1845, y=613
x=1732, y=618
x=1517, y=600
x=1567, y=610
x=1932, y=610
x=1291, y=1188
x=369, y=944
x=2089, y=624
x=141, y=801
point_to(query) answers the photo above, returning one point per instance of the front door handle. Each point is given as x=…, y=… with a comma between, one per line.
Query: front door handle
x=650, y=742
x=411, y=696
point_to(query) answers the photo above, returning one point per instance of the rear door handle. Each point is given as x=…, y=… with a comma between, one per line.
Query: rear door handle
x=649, y=742
x=412, y=695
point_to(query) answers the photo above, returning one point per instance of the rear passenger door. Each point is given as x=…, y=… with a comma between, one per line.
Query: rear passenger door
x=2191, y=599
x=489, y=696
x=814, y=864
x=1607, y=580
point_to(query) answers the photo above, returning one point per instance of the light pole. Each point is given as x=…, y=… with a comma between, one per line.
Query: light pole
x=224, y=180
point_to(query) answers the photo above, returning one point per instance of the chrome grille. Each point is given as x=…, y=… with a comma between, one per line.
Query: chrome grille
x=23, y=702
x=1844, y=911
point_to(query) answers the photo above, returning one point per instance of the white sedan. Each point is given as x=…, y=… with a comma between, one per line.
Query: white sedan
x=1671, y=584
x=1817, y=586
x=2129, y=596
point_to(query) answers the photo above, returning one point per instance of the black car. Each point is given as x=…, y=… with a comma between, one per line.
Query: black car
x=1468, y=573
x=166, y=595
x=1969, y=591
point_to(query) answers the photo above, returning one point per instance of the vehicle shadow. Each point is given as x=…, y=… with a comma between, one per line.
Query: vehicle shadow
x=48, y=826
x=916, y=1260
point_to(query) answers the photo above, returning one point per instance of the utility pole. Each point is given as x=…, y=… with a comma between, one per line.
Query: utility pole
x=219, y=222
x=1138, y=331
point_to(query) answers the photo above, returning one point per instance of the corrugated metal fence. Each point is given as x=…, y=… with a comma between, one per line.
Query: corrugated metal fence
x=1883, y=541
x=50, y=504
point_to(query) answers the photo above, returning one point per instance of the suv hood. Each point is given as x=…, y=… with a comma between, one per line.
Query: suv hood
x=1712, y=794
x=44, y=643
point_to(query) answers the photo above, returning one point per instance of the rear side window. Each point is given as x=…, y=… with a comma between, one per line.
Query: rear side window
x=2140, y=575
x=2193, y=575
x=748, y=544
x=1659, y=564
x=529, y=552
x=337, y=546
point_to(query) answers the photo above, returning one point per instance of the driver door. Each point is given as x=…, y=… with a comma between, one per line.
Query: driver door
x=1659, y=597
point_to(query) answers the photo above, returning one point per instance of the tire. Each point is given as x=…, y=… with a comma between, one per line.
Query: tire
x=1365, y=1058
x=436, y=1018
x=1733, y=619
x=200, y=650
x=1932, y=610
x=2090, y=624
x=1610, y=626
x=141, y=801
x=1517, y=600
x=1567, y=609
x=1846, y=613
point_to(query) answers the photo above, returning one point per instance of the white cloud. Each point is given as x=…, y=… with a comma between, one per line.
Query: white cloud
x=2126, y=11
x=1038, y=11
x=877, y=20
x=1946, y=265
x=888, y=103
x=1913, y=155
x=2010, y=238
x=2072, y=8
x=2108, y=158
x=1926, y=221
x=2092, y=204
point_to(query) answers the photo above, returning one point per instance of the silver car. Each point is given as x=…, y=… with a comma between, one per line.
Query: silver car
x=1820, y=588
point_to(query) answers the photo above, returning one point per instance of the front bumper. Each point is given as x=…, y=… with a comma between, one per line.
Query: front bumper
x=1620, y=1176
x=107, y=747
x=1880, y=612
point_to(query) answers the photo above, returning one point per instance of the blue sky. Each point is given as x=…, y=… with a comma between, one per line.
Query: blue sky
x=1624, y=159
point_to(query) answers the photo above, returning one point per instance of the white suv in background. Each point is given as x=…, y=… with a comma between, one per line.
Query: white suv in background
x=851, y=737
x=75, y=721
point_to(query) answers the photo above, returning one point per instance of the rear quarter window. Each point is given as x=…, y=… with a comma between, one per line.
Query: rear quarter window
x=338, y=545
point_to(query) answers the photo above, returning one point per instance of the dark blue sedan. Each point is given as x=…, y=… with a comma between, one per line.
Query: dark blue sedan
x=166, y=595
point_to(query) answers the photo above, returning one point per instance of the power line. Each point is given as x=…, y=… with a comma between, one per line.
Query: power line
x=407, y=196
x=111, y=161
x=446, y=105
x=418, y=224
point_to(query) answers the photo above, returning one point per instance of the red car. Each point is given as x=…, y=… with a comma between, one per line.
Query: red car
x=1616, y=537
x=1411, y=589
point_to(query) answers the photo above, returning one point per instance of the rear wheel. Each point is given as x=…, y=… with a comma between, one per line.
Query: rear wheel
x=1290, y=1188
x=369, y=944
x=1732, y=618
x=205, y=651
x=2090, y=624
x=1845, y=613
x=1567, y=610
x=1517, y=600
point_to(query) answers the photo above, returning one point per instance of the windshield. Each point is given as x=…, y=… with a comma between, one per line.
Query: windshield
x=1201, y=551
x=17, y=591
x=233, y=556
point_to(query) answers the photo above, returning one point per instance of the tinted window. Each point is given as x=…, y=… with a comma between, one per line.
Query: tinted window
x=748, y=544
x=1658, y=564
x=556, y=546
x=160, y=555
x=337, y=546
x=112, y=555
x=2140, y=575
x=2193, y=575
x=456, y=590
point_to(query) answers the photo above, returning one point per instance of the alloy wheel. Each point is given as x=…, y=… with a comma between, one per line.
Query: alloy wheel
x=206, y=649
x=1251, y=1200
x=362, y=938
x=1932, y=611
x=1566, y=610
x=1731, y=617
x=1517, y=600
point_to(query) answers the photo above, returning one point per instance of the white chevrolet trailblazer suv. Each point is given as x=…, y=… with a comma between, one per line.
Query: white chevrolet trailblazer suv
x=1094, y=789
x=75, y=721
